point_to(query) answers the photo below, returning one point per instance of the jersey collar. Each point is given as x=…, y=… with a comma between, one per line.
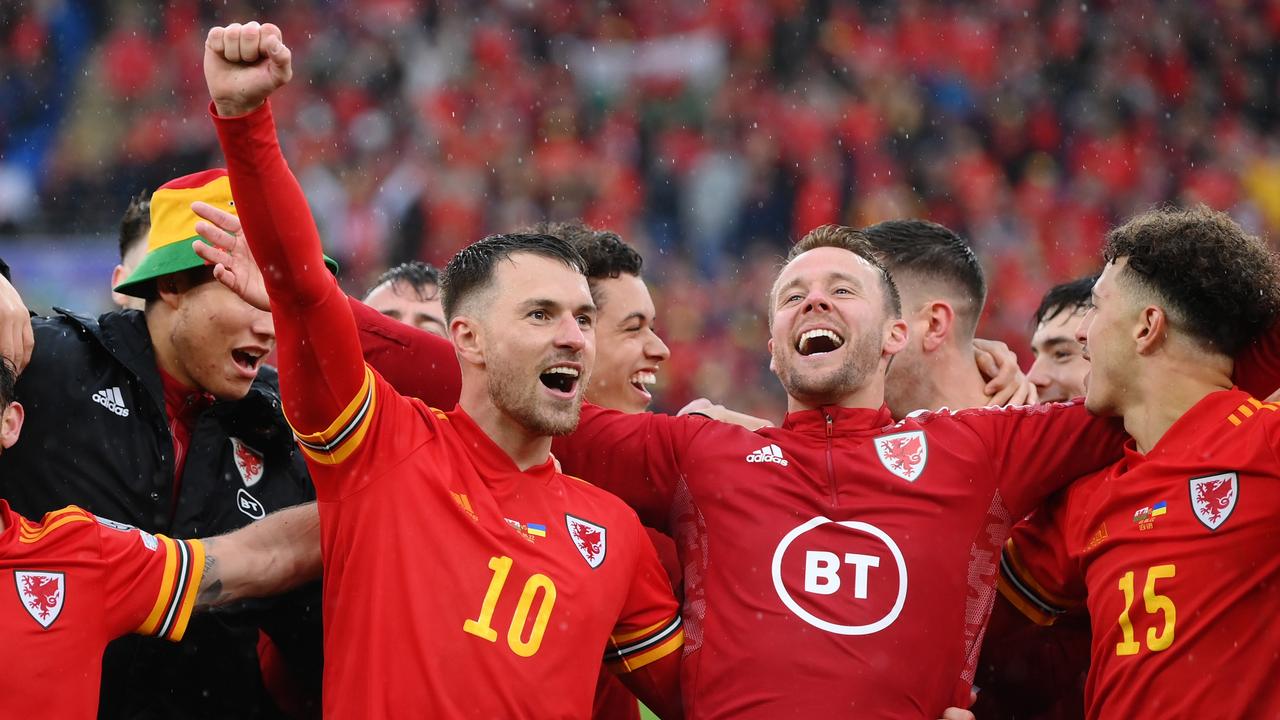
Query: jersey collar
x=844, y=420
x=492, y=461
x=1189, y=430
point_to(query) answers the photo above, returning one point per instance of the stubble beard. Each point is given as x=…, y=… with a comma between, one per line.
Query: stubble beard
x=830, y=387
x=523, y=402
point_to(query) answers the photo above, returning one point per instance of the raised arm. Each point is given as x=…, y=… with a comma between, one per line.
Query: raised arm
x=267, y=557
x=321, y=368
x=414, y=362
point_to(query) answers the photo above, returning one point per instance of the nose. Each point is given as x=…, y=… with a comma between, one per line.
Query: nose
x=263, y=325
x=1037, y=374
x=816, y=300
x=655, y=349
x=570, y=335
x=1082, y=330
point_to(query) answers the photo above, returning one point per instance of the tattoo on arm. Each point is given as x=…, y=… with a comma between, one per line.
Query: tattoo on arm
x=211, y=593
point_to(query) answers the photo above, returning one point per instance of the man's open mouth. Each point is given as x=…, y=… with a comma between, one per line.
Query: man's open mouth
x=642, y=379
x=247, y=359
x=560, y=378
x=819, y=340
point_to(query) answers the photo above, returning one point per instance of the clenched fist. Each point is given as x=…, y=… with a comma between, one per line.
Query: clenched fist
x=243, y=65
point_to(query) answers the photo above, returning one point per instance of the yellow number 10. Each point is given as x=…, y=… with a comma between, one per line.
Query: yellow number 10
x=482, y=625
x=1154, y=603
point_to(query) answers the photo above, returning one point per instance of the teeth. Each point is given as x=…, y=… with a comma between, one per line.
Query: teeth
x=644, y=377
x=571, y=372
x=811, y=334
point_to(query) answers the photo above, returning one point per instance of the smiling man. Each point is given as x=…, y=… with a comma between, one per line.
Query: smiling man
x=1060, y=366
x=500, y=581
x=167, y=420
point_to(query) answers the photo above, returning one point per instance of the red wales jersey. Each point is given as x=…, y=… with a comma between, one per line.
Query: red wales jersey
x=841, y=565
x=1177, y=558
x=457, y=586
x=68, y=586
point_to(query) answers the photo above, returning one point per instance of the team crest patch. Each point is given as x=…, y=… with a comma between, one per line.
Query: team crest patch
x=904, y=454
x=248, y=462
x=1214, y=497
x=588, y=537
x=42, y=594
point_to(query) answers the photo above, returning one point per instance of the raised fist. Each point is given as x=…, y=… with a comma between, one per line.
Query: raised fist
x=243, y=65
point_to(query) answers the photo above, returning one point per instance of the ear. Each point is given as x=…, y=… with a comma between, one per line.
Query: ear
x=11, y=424
x=772, y=368
x=895, y=337
x=468, y=339
x=941, y=318
x=169, y=289
x=1151, y=330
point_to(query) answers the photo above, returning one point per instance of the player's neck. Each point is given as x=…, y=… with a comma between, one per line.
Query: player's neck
x=1165, y=392
x=954, y=380
x=526, y=449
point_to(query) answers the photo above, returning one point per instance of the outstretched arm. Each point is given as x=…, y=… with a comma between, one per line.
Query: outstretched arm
x=268, y=557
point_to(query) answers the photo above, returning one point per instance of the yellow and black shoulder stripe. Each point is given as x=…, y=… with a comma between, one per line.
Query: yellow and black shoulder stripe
x=29, y=532
x=344, y=435
x=1020, y=588
x=183, y=571
x=631, y=651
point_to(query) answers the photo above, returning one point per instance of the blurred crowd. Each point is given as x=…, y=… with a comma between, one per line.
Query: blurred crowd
x=709, y=134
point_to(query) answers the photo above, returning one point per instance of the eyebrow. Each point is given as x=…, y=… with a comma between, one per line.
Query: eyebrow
x=392, y=314
x=637, y=315
x=1058, y=340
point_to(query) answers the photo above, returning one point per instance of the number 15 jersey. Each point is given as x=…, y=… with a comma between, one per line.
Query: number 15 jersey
x=1177, y=556
x=457, y=586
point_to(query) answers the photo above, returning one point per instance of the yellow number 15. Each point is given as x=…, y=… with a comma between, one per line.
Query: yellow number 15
x=482, y=625
x=1154, y=603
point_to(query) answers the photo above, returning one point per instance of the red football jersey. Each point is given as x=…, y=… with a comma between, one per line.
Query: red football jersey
x=458, y=586
x=830, y=563
x=1177, y=558
x=68, y=586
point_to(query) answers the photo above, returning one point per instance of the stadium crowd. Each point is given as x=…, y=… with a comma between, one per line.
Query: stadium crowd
x=749, y=174
x=708, y=134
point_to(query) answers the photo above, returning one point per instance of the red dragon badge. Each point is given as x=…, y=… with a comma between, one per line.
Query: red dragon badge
x=904, y=454
x=588, y=537
x=248, y=462
x=1214, y=497
x=42, y=594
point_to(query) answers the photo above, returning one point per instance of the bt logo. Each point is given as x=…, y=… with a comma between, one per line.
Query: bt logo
x=846, y=577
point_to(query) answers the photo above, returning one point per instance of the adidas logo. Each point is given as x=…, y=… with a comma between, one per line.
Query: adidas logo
x=110, y=399
x=768, y=453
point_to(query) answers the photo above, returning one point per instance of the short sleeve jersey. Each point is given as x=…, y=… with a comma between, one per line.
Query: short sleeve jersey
x=458, y=586
x=68, y=586
x=1176, y=558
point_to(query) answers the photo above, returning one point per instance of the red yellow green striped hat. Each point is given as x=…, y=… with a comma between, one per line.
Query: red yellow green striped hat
x=173, y=228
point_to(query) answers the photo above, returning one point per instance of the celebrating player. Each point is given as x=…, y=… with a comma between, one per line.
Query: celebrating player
x=1172, y=550
x=1060, y=366
x=816, y=552
x=464, y=575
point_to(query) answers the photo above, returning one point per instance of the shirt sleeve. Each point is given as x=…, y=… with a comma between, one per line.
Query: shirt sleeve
x=151, y=581
x=1037, y=574
x=1037, y=449
x=415, y=362
x=1257, y=369
x=636, y=456
x=321, y=365
x=649, y=627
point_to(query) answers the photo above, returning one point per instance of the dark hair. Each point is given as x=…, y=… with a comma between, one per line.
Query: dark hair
x=8, y=382
x=1220, y=283
x=472, y=268
x=421, y=277
x=933, y=251
x=606, y=255
x=856, y=242
x=1067, y=297
x=135, y=223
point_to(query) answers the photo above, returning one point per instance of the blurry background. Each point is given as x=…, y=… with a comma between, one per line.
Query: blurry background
x=709, y=134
